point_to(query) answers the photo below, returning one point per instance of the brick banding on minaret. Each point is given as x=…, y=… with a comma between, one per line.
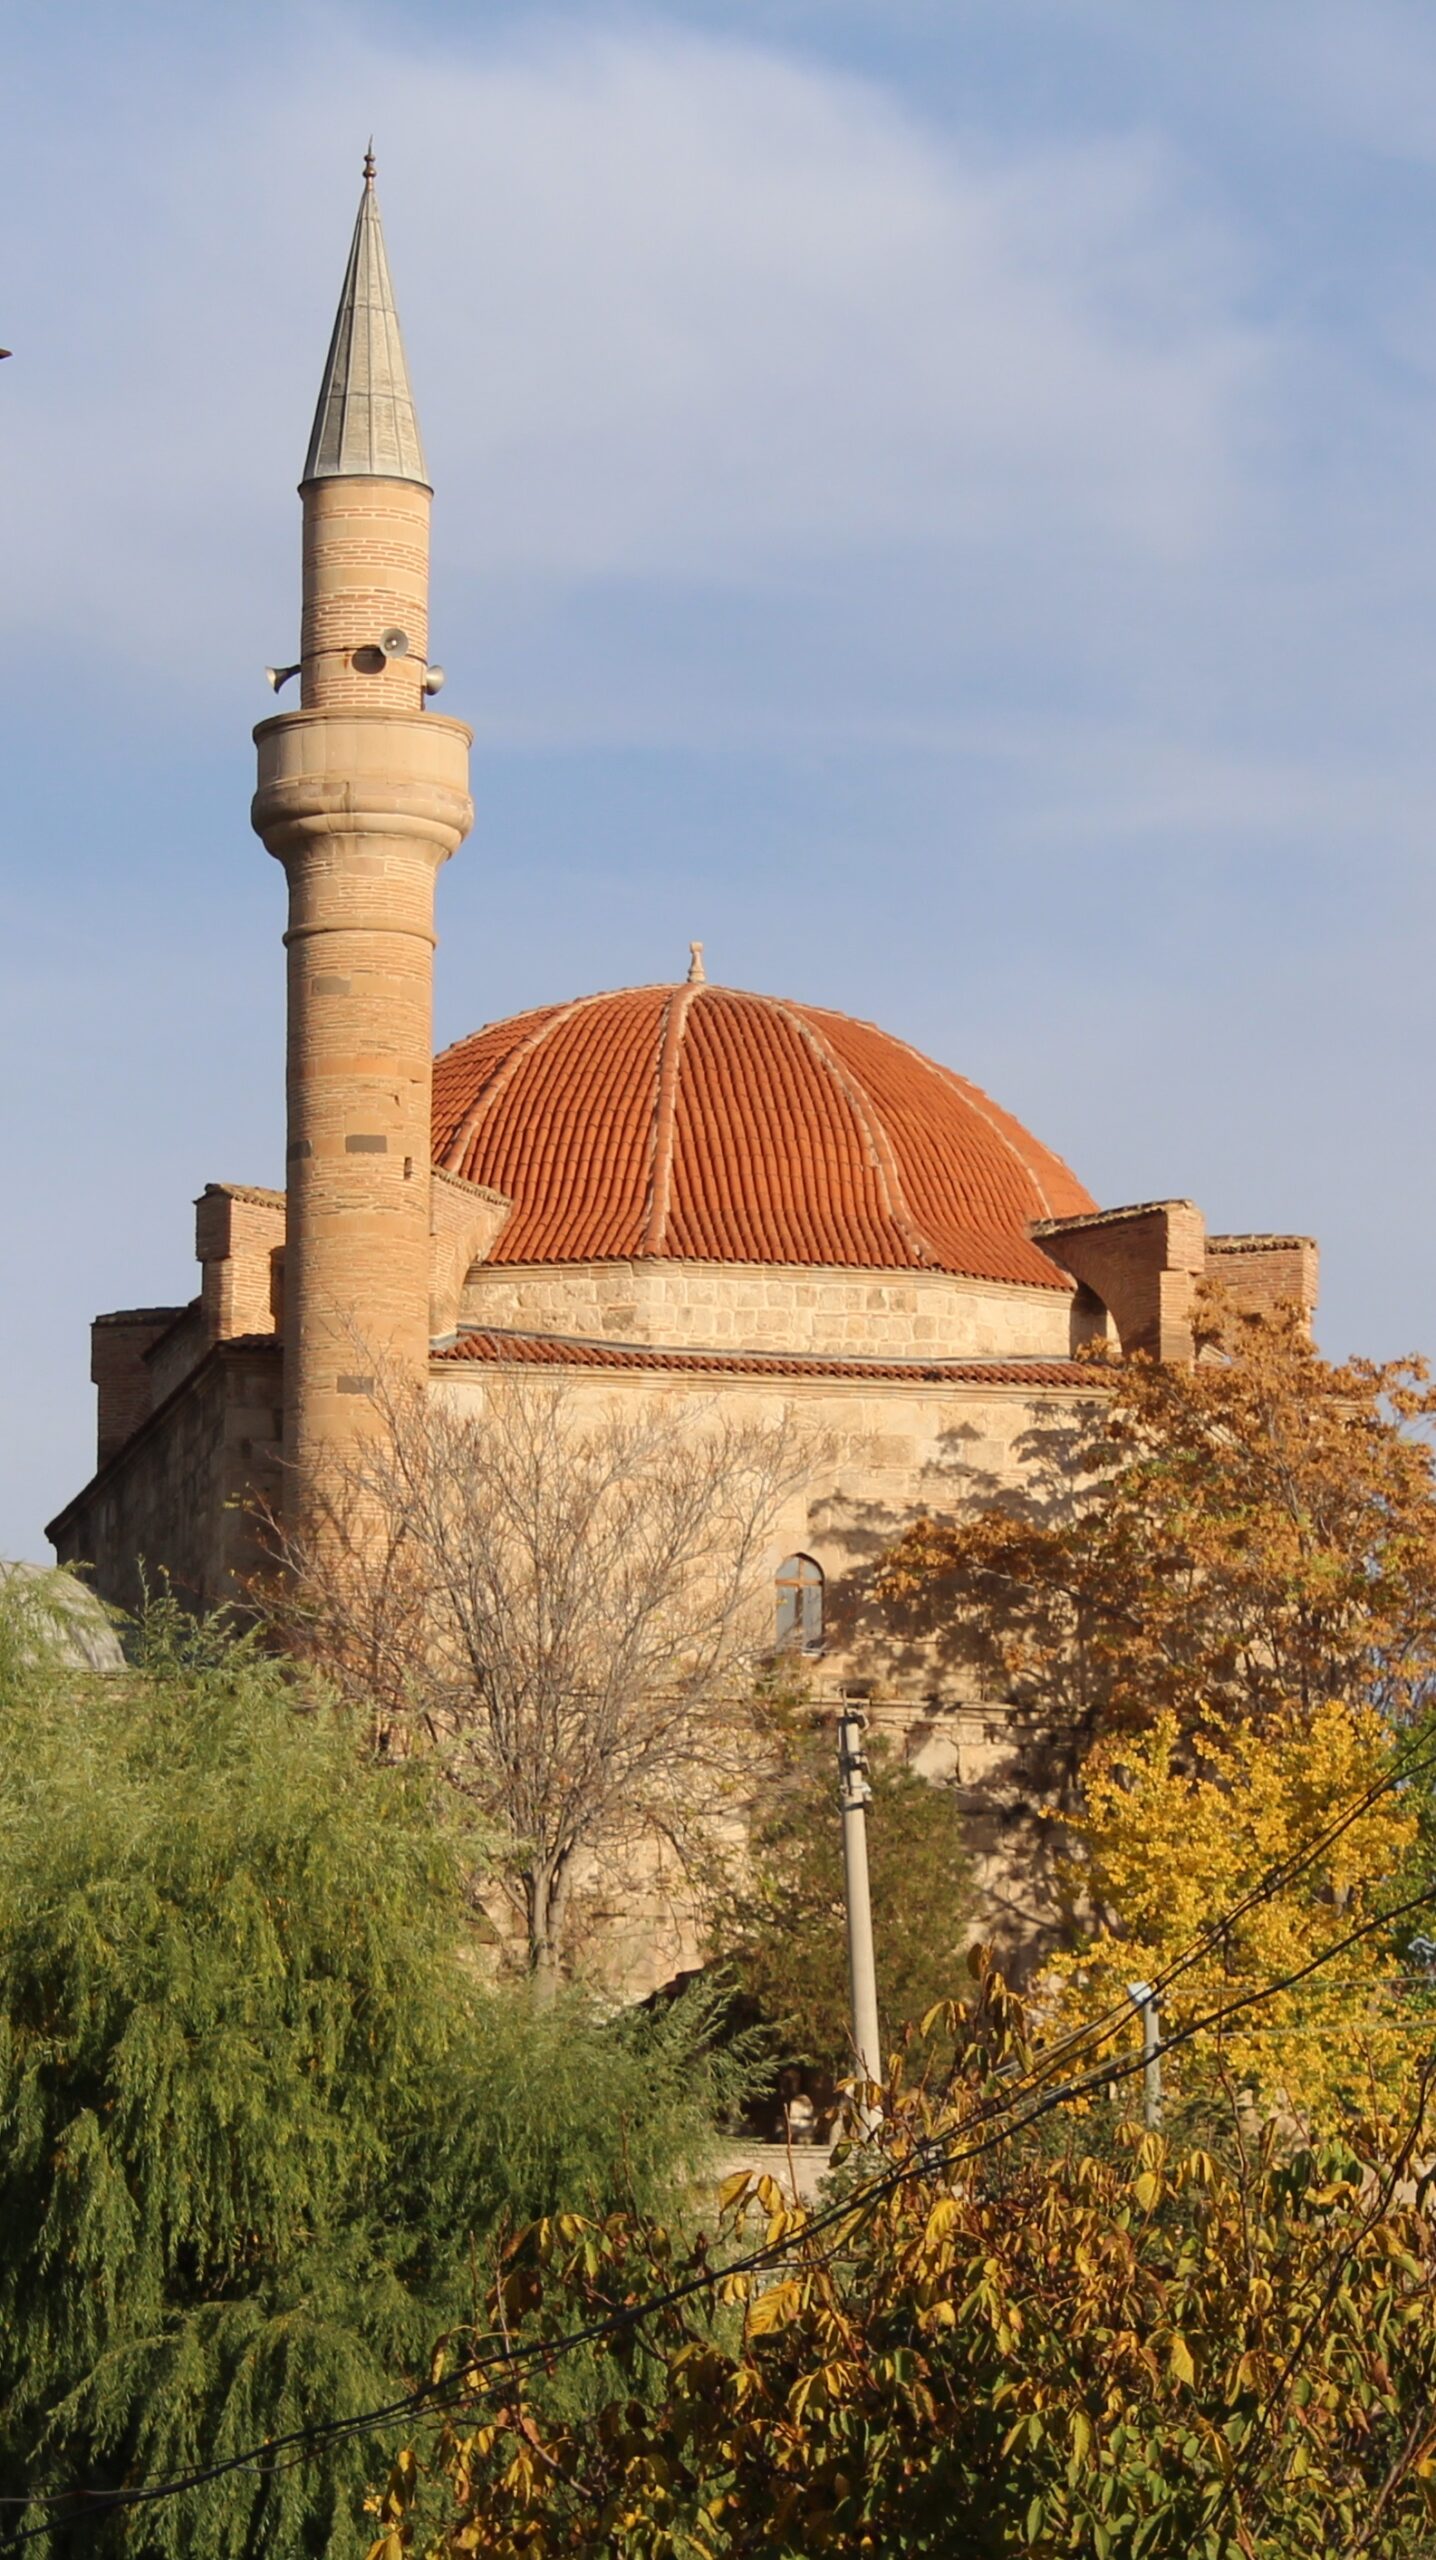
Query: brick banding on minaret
x=362, y=795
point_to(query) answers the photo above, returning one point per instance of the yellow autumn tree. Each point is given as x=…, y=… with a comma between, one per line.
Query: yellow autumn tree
x=1173, y=1835
x=1216, y=1589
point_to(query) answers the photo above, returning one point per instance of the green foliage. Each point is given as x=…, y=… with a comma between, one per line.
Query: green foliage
x=779, y=1933
x=262, y=2124
x=1130, y=2353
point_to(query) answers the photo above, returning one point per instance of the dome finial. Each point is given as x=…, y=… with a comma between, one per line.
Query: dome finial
x=697, y=974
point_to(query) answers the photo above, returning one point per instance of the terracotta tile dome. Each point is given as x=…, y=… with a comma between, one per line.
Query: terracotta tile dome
x=701, y=1124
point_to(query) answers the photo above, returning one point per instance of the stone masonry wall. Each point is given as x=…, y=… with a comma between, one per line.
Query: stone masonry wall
x=120, y=1368
x=879, y=1454
x=727, y=1306
x=171, y=1503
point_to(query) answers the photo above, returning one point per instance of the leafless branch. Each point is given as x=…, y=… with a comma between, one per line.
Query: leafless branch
x=568, y=1612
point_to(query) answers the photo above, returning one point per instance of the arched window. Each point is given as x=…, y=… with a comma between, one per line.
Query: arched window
x=800, y=1605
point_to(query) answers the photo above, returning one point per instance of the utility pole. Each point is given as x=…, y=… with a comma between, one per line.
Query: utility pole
x=1144, y=1998
x=855, y=1795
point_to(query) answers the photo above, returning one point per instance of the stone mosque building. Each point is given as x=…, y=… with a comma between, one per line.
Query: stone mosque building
x=687, y=1189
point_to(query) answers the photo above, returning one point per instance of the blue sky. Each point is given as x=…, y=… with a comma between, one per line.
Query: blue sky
x=935, y=497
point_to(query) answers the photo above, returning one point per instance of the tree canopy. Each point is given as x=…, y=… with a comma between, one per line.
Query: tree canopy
x=1219, y=1590
x=565, y=1611
x=778, y=1931
x=1228, y=1540
x=262, y=2124
x=1165, y=1843
x=1026, y=2322
x=987, y=2345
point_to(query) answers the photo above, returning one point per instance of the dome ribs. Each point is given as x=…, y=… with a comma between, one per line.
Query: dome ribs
x=699, y=1123
x=965, y=1167
x=660, y=1180
x=588, y=1100
x=464, y=1075
x=478, y=1068
x=562, y=1128
x=763, y=1137
x=880, y=1153
x=1054, y=1180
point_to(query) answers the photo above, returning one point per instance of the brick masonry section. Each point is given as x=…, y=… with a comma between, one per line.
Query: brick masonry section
x=362, y=796
x=239, y=1245
x=1143, y=1264
x=118, y=1366
x=1261, y=1273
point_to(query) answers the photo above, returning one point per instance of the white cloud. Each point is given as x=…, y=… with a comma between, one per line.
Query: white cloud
x=678, y=310
x=1057, y=644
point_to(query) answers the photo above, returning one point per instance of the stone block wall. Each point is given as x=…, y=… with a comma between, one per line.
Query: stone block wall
x=173, y=1501
x=723, y=1306
x=176, y=1354
x=878, y=1453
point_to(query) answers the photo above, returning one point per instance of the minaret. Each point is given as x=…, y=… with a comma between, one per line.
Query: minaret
x=362, y=794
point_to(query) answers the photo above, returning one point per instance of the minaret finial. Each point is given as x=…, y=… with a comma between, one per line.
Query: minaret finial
x=364, y=426
x=697, y=974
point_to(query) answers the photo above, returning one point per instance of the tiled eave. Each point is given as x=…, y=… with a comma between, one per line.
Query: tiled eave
x=491, y=1346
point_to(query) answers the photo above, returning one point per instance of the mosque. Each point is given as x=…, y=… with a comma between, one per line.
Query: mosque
x=686, y=1189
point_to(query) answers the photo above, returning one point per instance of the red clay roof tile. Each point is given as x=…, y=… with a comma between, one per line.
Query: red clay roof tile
x=697, y=1123
x=495, y=1348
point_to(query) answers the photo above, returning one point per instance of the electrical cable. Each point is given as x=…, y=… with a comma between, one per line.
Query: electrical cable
x=1341, y=2259
x=1276, y=1878
x=466, y=2382
x=1103, y=2073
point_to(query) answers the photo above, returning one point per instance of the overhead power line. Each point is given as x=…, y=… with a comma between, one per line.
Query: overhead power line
x=510, y=2363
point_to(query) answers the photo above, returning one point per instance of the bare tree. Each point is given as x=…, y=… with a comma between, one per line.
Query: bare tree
x=570, y=1611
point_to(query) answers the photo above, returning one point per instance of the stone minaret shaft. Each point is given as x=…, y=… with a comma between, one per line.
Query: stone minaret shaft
x=362, y=795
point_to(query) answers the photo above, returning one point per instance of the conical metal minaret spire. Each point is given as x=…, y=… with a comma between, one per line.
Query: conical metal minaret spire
x=364, y=426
